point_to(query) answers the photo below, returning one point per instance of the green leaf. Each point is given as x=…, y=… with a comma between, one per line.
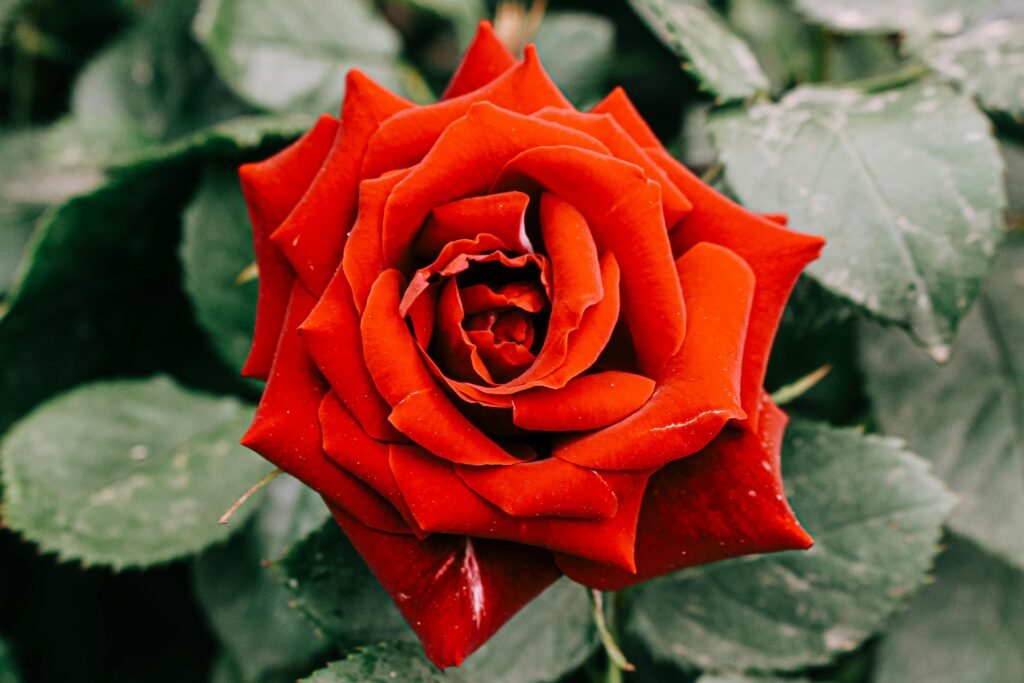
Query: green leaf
x=576, y=48
x=385, y=663
x=712, y=678
x=855, y=58
x=551, y=636
x=333, y=587
x=966, y=626
x=967, y=417
x=987, y=62
x=782, y=43
x=127, y=473
x=294, y=55
x=151, y=84
x=905, y=185
x=216, y=247
x=887, y=16
x=8, y=667
x=720, y=61
x=245, y=603
x=875, y=513
x=464, y=15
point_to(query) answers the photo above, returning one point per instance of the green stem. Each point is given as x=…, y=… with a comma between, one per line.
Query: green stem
x=894, y=79
x=617, y=662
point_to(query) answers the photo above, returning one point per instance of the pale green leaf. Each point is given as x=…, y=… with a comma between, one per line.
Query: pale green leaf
x=967, y=417
x=294, y=55
x=127, y=473
x=905, y=185
x=889, y=16
x=875, y=513
x=216, y=247
x=8, y=667
x=246, y=605
x=967, y=626
x=987, y=62
x=720, y=61
x=783, y=44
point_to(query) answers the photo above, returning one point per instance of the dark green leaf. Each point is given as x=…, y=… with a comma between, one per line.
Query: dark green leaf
x=332, y=586
x=712, y=53
x=245, y=603
x=294, y=55
x=152, y=84
x=8, y=667
x=887, y=16
x=385, y=663
x=854, y=58
x=216, y=247
x=127, y=473
x=875, y=513
x=988, y=62
x=550, y=637
x=463, y=14
x=966, y=417
x=906, y=186
x=711, y=678
x=576, y=48
x=966, y=626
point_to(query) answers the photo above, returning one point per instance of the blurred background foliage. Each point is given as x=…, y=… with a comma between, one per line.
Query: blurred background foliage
x=122, y=233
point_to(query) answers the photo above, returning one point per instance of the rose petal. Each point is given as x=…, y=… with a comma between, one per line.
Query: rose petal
x=363, y=259
x=349, y=447
x=619, y=106
x=776, y=254
x=272, y=188
x=286, y=429
x=622, y=146
x=526, y=296
x=623, y=209
x=464, y=161
x=442, y=503
x=587, y=402
x=454, y=591
x=485, y=59
x=543, y=488
x=698, y=392
x=502, y=215
x=461, y=356
x=405, y=139
x=313, y=236
x=726, y=501
x=419, y=409
x=332, y=337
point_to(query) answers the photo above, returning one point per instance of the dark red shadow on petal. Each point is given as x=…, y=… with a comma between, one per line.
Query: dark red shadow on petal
x=286, y=428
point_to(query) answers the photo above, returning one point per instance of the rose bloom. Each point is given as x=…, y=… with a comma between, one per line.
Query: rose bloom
x=506, y=341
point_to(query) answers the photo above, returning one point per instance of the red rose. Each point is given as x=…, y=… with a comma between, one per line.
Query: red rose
x=507, y=340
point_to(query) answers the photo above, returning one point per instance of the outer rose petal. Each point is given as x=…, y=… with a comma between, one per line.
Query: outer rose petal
x=272, y=188
x=486, y=58
x=286, y=428
x=776, y=255
x=313, y=237
x=699, y=390
x=331, y=334
x=726, y=501
x=454, y=591
x=407, y=137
